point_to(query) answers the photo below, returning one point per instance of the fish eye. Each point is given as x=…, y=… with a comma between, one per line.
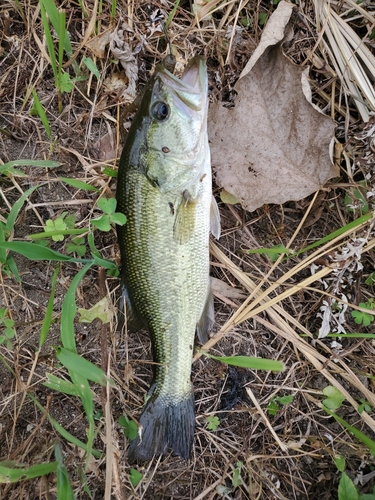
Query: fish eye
x=160, y=111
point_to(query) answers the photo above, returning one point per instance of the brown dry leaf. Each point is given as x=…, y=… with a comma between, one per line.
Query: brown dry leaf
x=225, y=290
x=105, y=147
x=273, y=146
x=99, y=43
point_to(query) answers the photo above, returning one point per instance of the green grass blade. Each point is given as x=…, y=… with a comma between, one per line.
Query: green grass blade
x=47, y=34
x=250, y=362
x=357, y=433
x=91, y=66
x=113, y=9
x=28, y=163
x=14, y=474
x=64, y=490
x=49, y=311
x=42, y=114
x=107, y=264
x=61, y=32
x=47, y=234
x=60, y=385
x=15, y=210
x=37, y=252
x=3, y=252
x=329, y=237
x=53, y=15
x=171, y=14
x=63, y=432
x=78, y=184
x=69, y=310
x=74, y=362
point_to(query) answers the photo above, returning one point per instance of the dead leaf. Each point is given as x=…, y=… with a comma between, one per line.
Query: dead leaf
x=273, y=146
x=99, y=43
x=273, y=33
x=115, y=83
x=101, y=310
x=121, y=50
x=105, y=147
x=228, y=198
x=221, y=288
x=316, y=211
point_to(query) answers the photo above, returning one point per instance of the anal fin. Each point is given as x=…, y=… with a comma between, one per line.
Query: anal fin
x=215, y=219
x=207, y=319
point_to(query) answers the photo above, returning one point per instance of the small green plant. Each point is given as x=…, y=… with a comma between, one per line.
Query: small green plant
x=347, y=489
x=274, y=405
x=364, y=406
x=355, y=199
x=135, y=477
x=108, y=206
x=9, y=332
x=370, y=280
x=38, y=109
x=237, y=479
x=213, y=422
x=77, y=246
x=129, y=427
x=63, y=81
x=223, y=490
x=334, y=398
x=361, y=317
x=273, y=253
x=262, y=18
x=58, y=225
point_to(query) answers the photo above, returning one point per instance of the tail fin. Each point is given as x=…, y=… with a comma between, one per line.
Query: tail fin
x=166, y=425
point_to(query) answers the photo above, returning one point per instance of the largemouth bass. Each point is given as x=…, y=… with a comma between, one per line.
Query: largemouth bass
x=164, y=189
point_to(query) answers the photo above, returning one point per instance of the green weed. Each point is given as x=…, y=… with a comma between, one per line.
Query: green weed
x=129, y=427
x=11, y=471
x=135, y=477
x=38, y=109
x=364, y=406
x=225, y=491
x=347, y=489
x=334, y=398
x=249, y=362
x=361, y=317
x=213, y=422
x=274, y=405
x=108, y=206
x=9, y=332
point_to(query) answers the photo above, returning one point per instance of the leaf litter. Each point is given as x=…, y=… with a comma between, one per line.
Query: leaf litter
x=273, y=146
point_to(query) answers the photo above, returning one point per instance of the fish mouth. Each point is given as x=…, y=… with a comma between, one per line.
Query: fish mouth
x=195, y=74
x=191, y=88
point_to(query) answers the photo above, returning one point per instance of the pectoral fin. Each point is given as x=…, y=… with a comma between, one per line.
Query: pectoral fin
x=207, y=319
x=215, y=219
x=127, y=317
x=184, y=223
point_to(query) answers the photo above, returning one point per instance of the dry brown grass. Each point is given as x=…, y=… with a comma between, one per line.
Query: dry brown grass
x=289, y=455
